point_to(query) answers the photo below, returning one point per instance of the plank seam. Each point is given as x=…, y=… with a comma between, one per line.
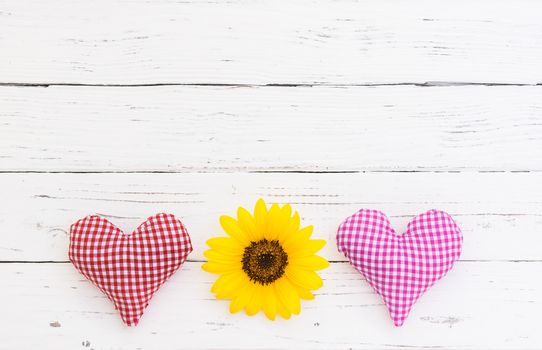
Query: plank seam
x=241, y=85
x=236, y=171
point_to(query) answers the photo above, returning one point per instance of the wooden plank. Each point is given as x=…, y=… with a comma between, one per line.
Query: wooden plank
x=499, y=213
x=478, y=305
x=261, y=42
x=253, y=129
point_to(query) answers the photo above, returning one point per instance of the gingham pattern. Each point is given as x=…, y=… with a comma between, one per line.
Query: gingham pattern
x=129, y=269
x=400, y=267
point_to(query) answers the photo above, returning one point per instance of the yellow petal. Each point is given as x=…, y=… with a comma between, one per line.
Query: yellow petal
x=298, y=240
x=231, y=227
x=283, y=311
x=288, y=295
x=226, y=245
x=304, y=278
x=283, y=221
x=214, y=267
x=218, y=256
x=308, y=248
x=304, y=293
x=286, y=211
x=242, y=299
x=224, y=281
x=255, y=303
x=247, y=224
x=231, y=286
x=260, y=219
x=312, y=262
x=273, y=223
x=269, y=302
x=291, y=229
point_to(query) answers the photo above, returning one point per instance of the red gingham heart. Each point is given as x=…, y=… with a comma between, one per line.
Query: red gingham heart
x=129, y=269
x=400, y=268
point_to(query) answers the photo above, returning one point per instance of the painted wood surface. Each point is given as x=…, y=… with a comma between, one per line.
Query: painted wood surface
x=270, y=42
x=126, y=108
x=271, y=129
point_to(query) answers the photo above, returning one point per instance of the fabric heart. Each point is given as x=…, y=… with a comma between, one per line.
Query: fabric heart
x=129, y=269
x=400, y=267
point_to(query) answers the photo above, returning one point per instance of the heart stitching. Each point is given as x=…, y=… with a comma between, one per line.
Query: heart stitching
x=129, y=269
x=400, y=268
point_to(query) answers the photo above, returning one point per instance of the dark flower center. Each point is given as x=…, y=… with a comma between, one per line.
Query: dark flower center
x=264, y=261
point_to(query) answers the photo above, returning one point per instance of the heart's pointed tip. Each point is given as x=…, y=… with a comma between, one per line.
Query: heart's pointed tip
x=128, y=323
x=398, y=323
x=130, y=320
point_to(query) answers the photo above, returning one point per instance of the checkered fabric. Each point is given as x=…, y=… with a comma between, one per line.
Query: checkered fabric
x=129, y=269
x=400, y=267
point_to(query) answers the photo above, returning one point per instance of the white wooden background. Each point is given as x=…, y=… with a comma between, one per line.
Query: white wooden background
x=131, y=107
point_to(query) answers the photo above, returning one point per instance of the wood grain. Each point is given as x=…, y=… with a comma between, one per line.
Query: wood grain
x=478, y=305
x=499, y=213
x=266, y=42
x=270, y=129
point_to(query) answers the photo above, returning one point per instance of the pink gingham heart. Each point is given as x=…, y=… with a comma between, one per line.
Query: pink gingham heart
x=400, y=268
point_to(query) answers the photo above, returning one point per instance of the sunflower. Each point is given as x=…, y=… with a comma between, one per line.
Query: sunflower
x=267, y=262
